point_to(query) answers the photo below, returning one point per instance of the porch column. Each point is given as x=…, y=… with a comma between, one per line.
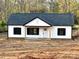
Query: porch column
x=25, y=32
x=50, y=32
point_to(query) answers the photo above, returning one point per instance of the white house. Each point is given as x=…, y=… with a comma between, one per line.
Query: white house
x=40, y=25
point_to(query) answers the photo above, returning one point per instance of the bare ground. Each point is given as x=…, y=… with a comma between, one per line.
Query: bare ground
x=39, y=49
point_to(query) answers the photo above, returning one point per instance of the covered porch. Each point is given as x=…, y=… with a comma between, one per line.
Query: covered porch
x=37, y=28
x=37, y=32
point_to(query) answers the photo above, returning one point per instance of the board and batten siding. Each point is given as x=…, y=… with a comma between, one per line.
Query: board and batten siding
x=68, y=32
x=11, y=31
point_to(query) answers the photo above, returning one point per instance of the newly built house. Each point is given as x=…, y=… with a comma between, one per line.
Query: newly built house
x=40, y=25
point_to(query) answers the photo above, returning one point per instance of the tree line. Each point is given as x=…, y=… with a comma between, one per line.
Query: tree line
x=8, y=7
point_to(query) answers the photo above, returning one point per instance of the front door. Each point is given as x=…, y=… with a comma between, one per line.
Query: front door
x=45, y=33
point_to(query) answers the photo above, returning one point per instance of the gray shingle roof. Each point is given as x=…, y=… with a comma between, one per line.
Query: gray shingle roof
x=51, y=18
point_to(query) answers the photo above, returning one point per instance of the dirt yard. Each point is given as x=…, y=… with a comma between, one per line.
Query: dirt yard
x=39, y=49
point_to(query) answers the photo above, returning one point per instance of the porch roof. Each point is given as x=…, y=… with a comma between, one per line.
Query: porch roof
x=54, y=19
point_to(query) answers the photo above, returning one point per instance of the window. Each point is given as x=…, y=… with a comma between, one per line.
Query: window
x=32, y=31
x=61, y=31
x=17, y=31
x=45, y=29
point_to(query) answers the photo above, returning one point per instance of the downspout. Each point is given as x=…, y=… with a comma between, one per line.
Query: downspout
x=50, y=32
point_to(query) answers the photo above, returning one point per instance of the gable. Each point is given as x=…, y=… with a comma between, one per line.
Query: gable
x=37, y=22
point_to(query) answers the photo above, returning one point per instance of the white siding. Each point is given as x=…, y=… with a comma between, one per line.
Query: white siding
x=37, y=22
x=54, y=32
x=10, y=32
x=41, y=33
x=51, y=32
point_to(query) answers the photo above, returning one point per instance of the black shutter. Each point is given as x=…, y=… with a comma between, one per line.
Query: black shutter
x=37, y=31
